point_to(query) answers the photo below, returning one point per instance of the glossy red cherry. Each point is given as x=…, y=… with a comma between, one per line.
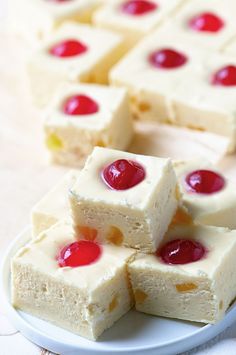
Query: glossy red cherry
x=204, y=182
x=206, y=22
x=138, y=7
x=79, y=253
x=225, y=76
x=123, y=174
x=80, y=105
x=68, y=48
x=181, y=251
x=167, y=58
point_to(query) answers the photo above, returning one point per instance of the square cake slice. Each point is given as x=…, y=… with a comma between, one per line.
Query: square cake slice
x=153, y=70
x=34, y=20
x=133, y=18
x=206, y=100
x=207, y=23
x=79, y=286
x=124, y=198
x=83, y=116
x=74, y=53
x=208, y=196
x=54, y=206
x=191, y=277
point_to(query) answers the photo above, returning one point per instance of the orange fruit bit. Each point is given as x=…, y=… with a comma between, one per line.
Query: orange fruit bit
x=186, y=287
x=115, y=236
x=87, y=233
x=139, y=296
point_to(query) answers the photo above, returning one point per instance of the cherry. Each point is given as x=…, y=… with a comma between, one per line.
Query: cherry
x=68, y=48
x=206, y=22
x=205, y=182
x=80, y=105
x=225, y=76
x=181, y=251
x=123, y=174
x=138, y=7
x=79, y=253
x=167, y=58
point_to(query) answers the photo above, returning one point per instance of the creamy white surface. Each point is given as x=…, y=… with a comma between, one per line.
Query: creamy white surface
x=211, y=40
x=41, y=255
x=91, y=186
x=217, y=209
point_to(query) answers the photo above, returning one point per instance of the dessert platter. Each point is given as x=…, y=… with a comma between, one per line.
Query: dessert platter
x=129, y=252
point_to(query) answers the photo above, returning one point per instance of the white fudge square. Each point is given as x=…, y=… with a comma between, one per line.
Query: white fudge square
x=47, y=72
x=137, y=217
x=216, y=209
x=151, y=87
x=133, y=28
x=85, y=300
x=224, y=10
x=200, y=291
x=54, y=206
x=71, y=138
x=196, y=103
x=36, y=19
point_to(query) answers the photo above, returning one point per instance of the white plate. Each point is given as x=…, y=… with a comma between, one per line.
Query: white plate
x=135, y=333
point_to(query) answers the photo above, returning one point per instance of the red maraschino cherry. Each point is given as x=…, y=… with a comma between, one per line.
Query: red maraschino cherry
x=204, y=182
x=138, y=7
x=80, y=105
x=123, y=174
x=79, y=253
x=206, y=22
x=225, y=76
x=167, y=58
x=181, y=251
x=68, y=48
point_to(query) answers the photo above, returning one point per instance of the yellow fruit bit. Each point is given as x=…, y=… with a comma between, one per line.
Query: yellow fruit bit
x=115, y=236
x=87, y=232
x=101, y=143
x=181, y=217
x=144, y=106
x=53, y=142
x=113, y=304
x=177, y=193
x=186, y=287
x=139, y=296
x=221, y=305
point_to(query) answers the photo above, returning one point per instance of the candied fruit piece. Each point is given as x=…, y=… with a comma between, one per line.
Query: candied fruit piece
x=115, y=236
x=185, y=287
x=53, y=142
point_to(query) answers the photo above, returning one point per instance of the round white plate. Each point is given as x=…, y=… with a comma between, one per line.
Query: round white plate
x=135, y=333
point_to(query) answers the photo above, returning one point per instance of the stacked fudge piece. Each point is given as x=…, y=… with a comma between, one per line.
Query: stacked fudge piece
x=132, y=237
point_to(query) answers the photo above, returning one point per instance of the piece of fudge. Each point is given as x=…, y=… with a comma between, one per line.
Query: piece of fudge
x=79, y=286
x=134, y=18
x=124, y=199
x=54, y=206
x=84, y=116
x=208, y=23
x=153, y=70
x=206, y=99
x=36, y=19
x=74, y=53
x=207, y=195
x=192, y=276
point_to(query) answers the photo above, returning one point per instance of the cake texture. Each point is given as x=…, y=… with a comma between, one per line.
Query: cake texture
x=71, y=297
x=83, y=116
x=199, y=291
x=136, y=216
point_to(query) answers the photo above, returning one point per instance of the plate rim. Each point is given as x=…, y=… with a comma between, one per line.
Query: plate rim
x=203, y=334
